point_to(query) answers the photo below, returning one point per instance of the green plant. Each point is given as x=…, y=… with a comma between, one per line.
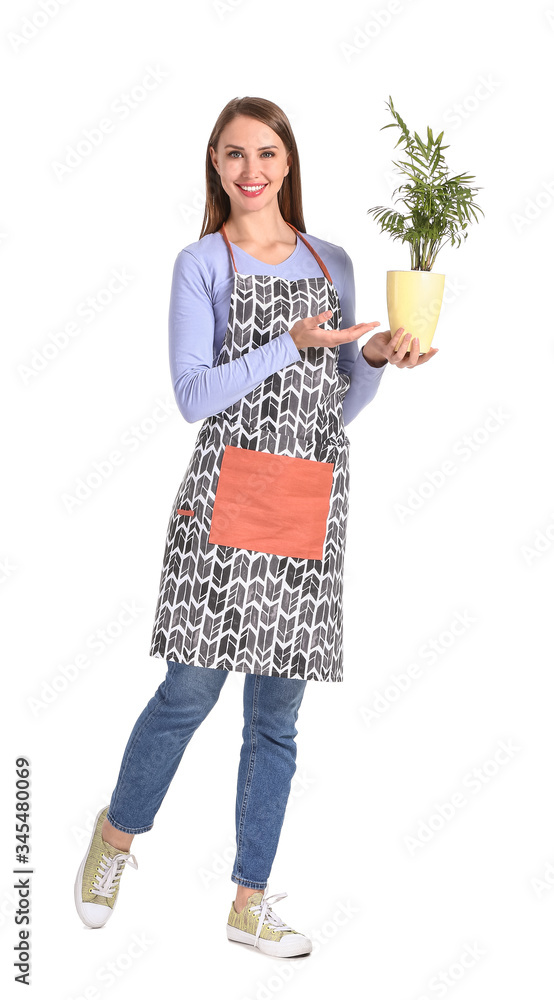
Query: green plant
x=438, y=205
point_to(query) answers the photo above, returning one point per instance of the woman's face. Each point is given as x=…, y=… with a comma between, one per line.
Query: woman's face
x=250, y=154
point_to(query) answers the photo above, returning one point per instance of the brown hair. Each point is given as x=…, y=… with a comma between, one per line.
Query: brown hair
x=289, y=196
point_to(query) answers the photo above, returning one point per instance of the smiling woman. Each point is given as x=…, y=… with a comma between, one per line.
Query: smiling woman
x=255, y=172
x=263, y=349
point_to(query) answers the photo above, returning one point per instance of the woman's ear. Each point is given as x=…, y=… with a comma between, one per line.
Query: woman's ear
x=213, y=156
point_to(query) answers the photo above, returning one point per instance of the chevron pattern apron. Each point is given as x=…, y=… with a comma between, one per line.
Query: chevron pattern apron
x=252, y=575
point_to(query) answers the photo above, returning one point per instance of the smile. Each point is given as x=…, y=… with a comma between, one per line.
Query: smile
x=251, y=190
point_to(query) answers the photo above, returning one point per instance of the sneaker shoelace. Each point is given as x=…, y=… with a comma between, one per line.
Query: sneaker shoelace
x=267, y=916
x=106, y=880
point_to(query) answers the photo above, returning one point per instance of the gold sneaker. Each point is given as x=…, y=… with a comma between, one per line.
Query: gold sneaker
x=258, y=925
x=97, y=882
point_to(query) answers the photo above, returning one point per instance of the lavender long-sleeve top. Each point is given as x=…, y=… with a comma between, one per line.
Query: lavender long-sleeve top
x=203, y=277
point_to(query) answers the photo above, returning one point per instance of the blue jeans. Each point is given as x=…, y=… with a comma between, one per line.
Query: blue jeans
x=266, y=765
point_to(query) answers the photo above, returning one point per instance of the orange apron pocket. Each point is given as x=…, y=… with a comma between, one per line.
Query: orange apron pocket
x=272, y=503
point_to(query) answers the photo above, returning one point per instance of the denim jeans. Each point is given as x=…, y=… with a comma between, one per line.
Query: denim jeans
x=266, y=765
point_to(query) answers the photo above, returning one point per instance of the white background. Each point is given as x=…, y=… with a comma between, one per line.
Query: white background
x=387, y=920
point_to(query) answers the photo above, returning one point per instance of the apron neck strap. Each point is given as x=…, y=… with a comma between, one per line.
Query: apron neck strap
x=298, y=233
x=225, y=237
x=316, y=255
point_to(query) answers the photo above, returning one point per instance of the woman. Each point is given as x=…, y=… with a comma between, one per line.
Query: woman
x=252, y=574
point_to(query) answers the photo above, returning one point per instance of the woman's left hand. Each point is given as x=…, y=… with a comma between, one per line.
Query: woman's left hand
x=382, y=347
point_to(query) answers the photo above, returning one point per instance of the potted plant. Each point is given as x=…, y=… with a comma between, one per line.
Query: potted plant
x=439, y=209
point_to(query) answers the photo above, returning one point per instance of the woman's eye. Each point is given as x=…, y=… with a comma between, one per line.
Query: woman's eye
x=267, y=152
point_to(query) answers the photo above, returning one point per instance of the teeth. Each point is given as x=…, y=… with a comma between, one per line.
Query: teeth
x=256, y=187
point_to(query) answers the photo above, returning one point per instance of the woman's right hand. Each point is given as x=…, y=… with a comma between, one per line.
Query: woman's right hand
x=307, y=332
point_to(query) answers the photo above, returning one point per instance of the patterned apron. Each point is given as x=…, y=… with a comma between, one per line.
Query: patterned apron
x=252, y=575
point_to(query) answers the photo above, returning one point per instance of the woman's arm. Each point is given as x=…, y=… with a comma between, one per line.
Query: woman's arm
x=202, y=388
x=364, y=378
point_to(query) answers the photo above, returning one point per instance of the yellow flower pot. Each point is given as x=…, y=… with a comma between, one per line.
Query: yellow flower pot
x=414, y=300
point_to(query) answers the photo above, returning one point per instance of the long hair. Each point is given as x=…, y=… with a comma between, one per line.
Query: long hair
x=289, y=196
